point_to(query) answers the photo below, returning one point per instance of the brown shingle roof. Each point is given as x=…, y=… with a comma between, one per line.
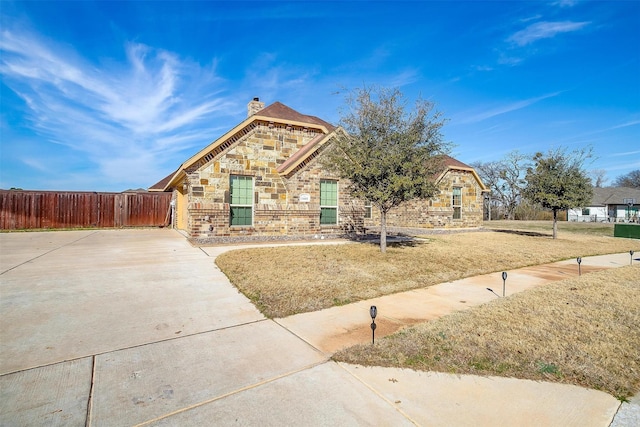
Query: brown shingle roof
x=159, y=186
x=455, y=163
x=277, y=110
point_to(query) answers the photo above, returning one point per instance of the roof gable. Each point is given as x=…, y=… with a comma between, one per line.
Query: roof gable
x=301, y=157
x=453, y=164
x=276, y=112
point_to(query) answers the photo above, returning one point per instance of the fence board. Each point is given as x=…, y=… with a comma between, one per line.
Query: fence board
x=22, y=210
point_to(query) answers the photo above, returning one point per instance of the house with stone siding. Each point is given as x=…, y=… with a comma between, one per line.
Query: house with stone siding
x=263, y=180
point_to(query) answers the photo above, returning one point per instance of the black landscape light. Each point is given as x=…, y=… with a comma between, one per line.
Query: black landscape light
x=504, y=282
x=579, y=259
x=373, y=312
x=631, y=253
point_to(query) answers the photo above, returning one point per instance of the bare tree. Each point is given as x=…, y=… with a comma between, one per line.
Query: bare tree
x=505, y=179
x=632, y=180
x=599, y=177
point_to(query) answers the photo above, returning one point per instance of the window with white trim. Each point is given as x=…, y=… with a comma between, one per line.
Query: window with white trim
x=367, y=209
x=241, y=200
x=456, y=202
x=328, y=202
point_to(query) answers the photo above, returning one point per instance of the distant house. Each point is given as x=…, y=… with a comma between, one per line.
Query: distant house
x=609, y=204
x=263, y=179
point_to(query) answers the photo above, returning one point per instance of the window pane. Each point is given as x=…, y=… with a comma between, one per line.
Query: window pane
x=328, y=193
x=457, y=196
x=328, y=216
x=241, y=192
x=240, y=216
x=241, y=189
x=457, y=214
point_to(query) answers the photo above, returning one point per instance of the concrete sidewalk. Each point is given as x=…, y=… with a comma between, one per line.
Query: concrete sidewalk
x=137, y=327
x=337, y=327
x=437, y=398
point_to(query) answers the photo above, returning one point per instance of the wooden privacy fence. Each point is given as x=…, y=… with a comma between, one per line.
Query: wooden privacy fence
x=69, y=209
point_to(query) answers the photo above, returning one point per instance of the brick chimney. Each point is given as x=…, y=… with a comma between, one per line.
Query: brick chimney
x=254, y=106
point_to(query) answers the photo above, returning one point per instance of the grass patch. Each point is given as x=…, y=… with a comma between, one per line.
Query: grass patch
x=283, y=281
x=546, y=227
x=583, y=331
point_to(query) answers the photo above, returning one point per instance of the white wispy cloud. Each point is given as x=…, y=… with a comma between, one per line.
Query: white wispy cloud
x=492, y=112
x=566, y=3
x=625, y=154
x=626, y=124
x=268, y=75
x=404, y=78
x=544, y=30
x=121, y=117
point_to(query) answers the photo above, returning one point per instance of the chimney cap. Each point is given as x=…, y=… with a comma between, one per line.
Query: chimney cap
x=256, y=98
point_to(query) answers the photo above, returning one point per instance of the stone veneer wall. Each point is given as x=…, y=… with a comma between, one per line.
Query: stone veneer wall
x=277, y=208
x=437, y=212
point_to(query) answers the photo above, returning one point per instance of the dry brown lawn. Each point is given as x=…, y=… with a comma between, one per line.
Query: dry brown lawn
x=583, y=331
x=283, y=281
x=590, y=228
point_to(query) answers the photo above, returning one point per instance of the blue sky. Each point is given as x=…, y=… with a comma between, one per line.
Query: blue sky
x=106, y=96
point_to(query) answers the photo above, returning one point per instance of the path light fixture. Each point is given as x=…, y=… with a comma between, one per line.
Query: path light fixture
x=579, y=259
x=504, y=282
x=373, y=312
x=631, y=260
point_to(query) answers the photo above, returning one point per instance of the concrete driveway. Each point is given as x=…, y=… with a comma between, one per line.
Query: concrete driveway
x=137, y=327
x=127, y=327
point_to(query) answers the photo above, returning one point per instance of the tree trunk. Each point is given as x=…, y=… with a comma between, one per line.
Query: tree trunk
x=555, y=223
x=383, y=231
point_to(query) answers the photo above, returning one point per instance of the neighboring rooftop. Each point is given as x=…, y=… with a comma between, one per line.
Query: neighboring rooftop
x=614, y=195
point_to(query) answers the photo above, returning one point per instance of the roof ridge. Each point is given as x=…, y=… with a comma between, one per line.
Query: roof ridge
x=278, y=110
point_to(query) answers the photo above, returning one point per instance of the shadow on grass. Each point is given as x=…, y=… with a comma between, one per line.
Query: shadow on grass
x=396, y=240
x=522, y=233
